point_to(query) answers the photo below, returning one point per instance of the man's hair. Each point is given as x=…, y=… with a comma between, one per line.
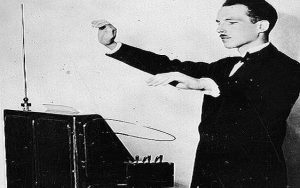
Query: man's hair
x=257, y=10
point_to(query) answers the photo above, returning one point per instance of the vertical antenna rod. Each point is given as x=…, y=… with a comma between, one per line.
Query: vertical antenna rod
x=25, y=104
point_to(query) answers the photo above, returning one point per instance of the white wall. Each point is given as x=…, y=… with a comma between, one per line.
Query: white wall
x=67, y=66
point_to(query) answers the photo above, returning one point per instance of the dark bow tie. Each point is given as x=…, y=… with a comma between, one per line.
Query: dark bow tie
x=246, y=58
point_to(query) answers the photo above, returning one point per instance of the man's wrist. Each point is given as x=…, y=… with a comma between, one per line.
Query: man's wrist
x=112, y=45
x=115, y=48
x=209, y=86
x=200, y=84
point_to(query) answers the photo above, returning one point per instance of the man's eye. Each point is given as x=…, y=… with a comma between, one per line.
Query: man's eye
x=231, y=23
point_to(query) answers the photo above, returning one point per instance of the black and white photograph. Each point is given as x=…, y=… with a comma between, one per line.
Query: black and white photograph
x=150, y=94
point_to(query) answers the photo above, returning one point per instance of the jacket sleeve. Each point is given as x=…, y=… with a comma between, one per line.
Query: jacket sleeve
x=155, y=64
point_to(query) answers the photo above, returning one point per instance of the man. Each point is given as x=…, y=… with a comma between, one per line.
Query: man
x=246, y=102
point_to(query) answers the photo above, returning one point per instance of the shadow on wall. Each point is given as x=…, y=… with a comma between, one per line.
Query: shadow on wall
x=286, y=34
x=291, y=146
x=288, y=40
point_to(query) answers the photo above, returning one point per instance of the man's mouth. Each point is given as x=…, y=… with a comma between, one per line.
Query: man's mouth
x=224, y=37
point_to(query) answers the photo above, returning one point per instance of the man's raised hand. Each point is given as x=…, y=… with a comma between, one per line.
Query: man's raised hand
x=106, y=33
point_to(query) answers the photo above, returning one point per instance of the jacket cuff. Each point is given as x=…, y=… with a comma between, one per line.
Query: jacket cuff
x=119, y=44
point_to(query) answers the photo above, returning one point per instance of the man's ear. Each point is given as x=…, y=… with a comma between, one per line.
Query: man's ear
x=263, y=26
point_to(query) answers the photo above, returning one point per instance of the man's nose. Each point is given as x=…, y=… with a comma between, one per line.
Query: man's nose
x=220, y=28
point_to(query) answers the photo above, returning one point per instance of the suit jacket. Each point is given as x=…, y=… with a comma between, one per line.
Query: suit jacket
x=242, y=130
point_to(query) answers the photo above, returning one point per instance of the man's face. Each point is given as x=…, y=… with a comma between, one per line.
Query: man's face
x=235, y=27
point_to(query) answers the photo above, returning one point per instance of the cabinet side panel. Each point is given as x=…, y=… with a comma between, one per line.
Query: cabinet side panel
x=19, y=147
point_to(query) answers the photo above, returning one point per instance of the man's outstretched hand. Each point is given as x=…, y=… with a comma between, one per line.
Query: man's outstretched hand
x=207, y=85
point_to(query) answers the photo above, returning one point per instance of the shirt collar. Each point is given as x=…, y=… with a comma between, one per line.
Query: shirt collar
x=256, y=48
